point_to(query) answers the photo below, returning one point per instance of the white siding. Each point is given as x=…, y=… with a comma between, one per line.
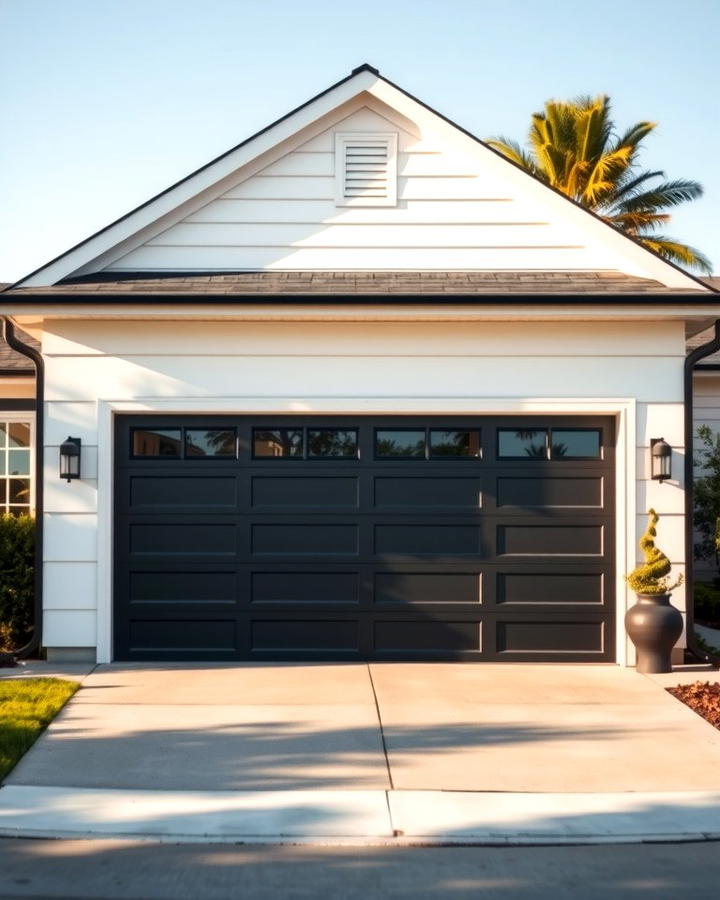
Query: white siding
x=336, y=367
x=452, y=213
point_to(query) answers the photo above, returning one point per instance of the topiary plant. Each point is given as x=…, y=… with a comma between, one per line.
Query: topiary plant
x=651, y=576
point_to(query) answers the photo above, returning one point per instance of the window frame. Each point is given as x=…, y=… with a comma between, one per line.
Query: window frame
x=24, y=417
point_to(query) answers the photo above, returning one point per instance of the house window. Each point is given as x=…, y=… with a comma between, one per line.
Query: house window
x=16, y=460
x=365, y=169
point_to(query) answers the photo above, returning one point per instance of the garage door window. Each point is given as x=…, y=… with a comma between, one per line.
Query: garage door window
x=461, y=443
x=400, y=443
x=210, y=442
x=157, y=442
x=576, y=443
x=332, y=443
x=278, y=443
x=523, y=443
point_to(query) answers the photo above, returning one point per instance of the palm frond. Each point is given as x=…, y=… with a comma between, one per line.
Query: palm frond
x=636, y=133
x=634, y=222
x=676, y=252
x=593, y=127
x=574, y=147
x=606, y=172
x=670, y=193
x=624, y=188
x=513, y=151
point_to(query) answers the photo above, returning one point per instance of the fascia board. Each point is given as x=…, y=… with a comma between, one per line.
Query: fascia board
x=362, y=310
x=639, y=260
x=186, y=190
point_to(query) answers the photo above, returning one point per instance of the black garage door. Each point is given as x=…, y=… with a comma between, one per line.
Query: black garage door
x=432, y=538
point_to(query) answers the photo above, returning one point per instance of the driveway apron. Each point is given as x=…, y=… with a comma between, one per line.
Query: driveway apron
x=446, y=727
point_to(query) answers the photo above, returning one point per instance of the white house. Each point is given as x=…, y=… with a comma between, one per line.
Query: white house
x=358, y=388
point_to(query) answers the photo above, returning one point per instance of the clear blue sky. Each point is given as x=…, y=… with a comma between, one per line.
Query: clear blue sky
x=104, y=103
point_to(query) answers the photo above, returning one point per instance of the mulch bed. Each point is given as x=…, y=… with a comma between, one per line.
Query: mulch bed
x=702, y=697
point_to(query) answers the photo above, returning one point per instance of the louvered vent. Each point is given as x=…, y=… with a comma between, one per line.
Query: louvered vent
x=365, y=169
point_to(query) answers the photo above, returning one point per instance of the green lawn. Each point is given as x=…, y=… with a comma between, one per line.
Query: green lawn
x=27, y=705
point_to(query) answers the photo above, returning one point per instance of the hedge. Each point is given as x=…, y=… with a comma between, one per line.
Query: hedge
x=17, y=580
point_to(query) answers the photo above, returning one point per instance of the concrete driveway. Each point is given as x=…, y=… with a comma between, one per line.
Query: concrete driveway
x=388, y=752
x=443, y=727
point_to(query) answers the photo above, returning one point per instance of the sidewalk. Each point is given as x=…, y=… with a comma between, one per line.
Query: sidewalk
x=412, y=753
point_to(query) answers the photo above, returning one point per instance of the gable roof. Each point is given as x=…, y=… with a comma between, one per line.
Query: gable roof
x=91, y=255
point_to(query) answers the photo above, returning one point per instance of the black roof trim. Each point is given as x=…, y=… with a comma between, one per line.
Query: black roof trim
x=365, y=67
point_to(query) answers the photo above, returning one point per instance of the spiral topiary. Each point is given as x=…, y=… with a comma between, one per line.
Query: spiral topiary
x=651, y=576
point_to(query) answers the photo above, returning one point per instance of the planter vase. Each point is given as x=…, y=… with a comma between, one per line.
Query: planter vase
x=654, y=626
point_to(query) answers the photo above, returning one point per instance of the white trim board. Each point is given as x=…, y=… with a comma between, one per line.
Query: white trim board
x=625, y=474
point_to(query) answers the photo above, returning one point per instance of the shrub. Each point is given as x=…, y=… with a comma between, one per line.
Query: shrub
x=17, y=579
x=707, y=602
x=706, y=496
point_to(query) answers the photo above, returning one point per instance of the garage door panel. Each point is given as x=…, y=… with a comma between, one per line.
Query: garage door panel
x=437, y=493
x=304, y=588
x=183, y=635
x=305, y=539
x=556, y=636
x=550, y=492
x=183, y=540
x=305, y=635
x=403, y=635
x=191, y=494
x=437, y=539
x=455, y=557
x=179, y=586
x=538, y=588
x=292, y=493
x=550, y=540
x=403, y=588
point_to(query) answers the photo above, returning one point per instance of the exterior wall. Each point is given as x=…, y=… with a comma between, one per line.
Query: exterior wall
x=706, y=411
x=95, y=368
x=453, y=212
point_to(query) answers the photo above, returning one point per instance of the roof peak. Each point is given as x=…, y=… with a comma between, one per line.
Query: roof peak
x=365, y=67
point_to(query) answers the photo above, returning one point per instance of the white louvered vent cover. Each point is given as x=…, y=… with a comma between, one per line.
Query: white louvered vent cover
x=365, y=169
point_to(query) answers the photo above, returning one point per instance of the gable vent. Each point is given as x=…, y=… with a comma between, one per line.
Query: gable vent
x=365, y=169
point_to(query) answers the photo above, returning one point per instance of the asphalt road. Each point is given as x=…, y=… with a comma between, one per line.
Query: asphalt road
x=112, y=870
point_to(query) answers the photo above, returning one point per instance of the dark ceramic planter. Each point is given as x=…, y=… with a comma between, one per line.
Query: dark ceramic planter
x=654, y=626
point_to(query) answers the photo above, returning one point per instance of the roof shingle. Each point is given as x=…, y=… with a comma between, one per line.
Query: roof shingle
x=346, y=284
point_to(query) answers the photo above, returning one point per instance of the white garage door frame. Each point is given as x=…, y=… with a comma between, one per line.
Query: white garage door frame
x=624, y=409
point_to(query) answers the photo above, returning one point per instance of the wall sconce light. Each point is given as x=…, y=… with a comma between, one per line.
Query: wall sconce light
x=660, y=458
x=70, y=458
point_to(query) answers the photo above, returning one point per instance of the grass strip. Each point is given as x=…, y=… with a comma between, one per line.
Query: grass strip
x=27, y=706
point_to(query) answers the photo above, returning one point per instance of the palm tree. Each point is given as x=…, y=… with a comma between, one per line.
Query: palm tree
x=575, y=148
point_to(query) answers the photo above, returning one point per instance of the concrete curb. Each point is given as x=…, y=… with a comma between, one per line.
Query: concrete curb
x=359, y=817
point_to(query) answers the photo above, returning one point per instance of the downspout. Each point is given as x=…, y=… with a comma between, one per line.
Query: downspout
x=697, y=354
x=14, y=341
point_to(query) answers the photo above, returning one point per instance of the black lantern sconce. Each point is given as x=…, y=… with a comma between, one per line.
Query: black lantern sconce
x=70, y=458
x=660, y=459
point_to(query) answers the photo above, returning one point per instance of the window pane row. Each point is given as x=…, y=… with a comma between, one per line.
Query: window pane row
x=190, y=443
x=421, y=443
x=549, y=443
x=301, y=443
x=295, y=442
